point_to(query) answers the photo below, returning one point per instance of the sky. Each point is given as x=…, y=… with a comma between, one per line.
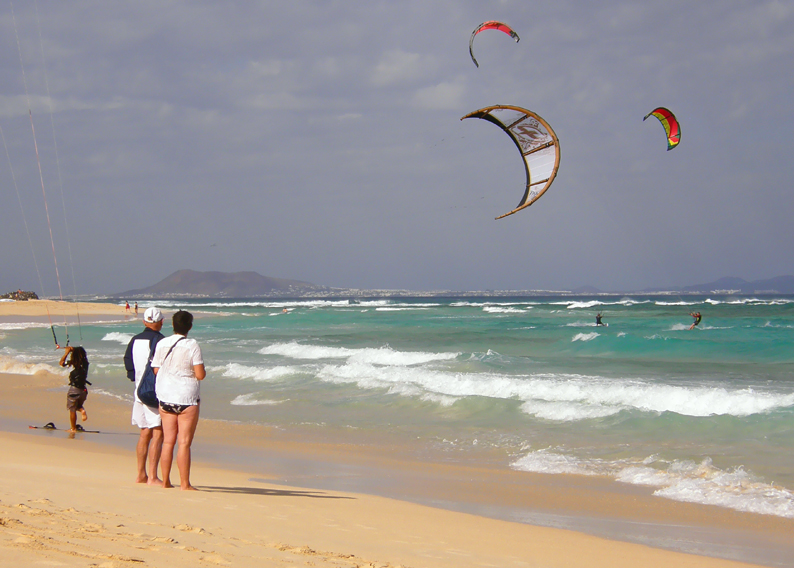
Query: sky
x=321, y=141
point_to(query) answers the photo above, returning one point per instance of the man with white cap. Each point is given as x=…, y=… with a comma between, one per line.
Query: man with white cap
x=150, y=443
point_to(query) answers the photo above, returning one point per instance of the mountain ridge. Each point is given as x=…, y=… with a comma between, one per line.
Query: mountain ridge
x=221, y=285
x=215, y=284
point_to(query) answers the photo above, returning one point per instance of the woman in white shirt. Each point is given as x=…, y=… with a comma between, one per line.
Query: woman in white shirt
x=179, y=367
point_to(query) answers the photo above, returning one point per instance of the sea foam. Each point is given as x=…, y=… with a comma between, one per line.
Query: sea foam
x=238, y=371
x=503, y=310
x=563, y=398
x=585, y=336
x=375, y=356
x=123, y=338
x=249, y=400
x=680, y=480
x=16, y=367
x=22, y=325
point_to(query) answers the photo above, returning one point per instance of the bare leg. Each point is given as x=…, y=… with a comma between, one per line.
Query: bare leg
x=72, y=421
x=141, y=452
x=84, y=414
x=155, y=449
x=187, y=422
x=169, y=441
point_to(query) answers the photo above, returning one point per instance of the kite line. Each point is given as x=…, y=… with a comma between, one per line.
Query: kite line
x=41, y=178
x=58, y=167
x=22, y=210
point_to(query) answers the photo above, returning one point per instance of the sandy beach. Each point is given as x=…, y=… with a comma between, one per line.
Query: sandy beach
x=71, y=501
x=59, y=310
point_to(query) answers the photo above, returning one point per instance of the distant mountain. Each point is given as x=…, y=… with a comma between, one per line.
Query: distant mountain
x=777, y=285
x=222, y=285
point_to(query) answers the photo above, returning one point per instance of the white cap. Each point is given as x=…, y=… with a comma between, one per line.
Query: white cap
x=152, y=315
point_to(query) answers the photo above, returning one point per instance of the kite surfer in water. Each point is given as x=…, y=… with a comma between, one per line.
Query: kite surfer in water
x=697, y=317
x=598, y=320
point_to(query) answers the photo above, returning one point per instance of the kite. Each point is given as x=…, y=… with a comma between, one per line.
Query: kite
x=490, y=25
x=535, y=140
x=671, y=126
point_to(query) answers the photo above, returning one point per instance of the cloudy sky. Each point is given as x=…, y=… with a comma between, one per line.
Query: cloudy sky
x=321, y=141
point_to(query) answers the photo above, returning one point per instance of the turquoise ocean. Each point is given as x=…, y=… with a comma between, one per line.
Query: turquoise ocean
x=527, y=383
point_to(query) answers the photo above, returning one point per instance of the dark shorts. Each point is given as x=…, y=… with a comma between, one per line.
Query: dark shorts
x=170, y=408
x=75, y=398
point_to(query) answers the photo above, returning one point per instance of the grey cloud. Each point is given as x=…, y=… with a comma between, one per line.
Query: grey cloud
x=322, y=141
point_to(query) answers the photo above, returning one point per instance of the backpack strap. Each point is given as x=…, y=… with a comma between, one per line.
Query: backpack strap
x=171, y=349
x=153, y=346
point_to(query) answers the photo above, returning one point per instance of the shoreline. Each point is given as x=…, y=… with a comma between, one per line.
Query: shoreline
x=624, y=515
x=233, y=521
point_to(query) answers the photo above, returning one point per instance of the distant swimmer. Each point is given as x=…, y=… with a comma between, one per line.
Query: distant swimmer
x=697, y=317
x=598, y=320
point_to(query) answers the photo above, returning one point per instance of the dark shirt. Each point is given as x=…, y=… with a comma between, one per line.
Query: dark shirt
x=79, y=377
x=151, y=337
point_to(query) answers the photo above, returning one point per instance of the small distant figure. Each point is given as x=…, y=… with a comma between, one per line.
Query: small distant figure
x=78, y=379
x=598, y=320
x=136, y=309
x=697, y=317
x=284, y=311
x=126, y=306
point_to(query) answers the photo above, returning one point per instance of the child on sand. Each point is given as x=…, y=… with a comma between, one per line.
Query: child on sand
x=78, y=379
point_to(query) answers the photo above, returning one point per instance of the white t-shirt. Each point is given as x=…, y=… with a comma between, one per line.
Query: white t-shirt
x=176, y=381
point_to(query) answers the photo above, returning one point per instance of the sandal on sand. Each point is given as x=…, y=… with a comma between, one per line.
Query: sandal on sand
x=49, y=426
x=79, y=428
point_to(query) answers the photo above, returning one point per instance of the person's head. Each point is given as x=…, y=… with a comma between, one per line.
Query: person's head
x=78, y=358
x=153, y=319
x=182, y=322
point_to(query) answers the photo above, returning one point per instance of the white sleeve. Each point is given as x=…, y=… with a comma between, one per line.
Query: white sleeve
x=195, y=355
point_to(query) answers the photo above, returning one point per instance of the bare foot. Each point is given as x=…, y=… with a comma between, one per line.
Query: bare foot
x=141, y=479
x=189, y=488
x=85, y=415
x=167, y=485
x=155, y=481
x=72, y=430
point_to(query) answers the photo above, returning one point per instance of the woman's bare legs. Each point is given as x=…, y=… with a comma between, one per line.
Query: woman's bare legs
x=186, y=425
x=178, y=429
x=169, y=441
